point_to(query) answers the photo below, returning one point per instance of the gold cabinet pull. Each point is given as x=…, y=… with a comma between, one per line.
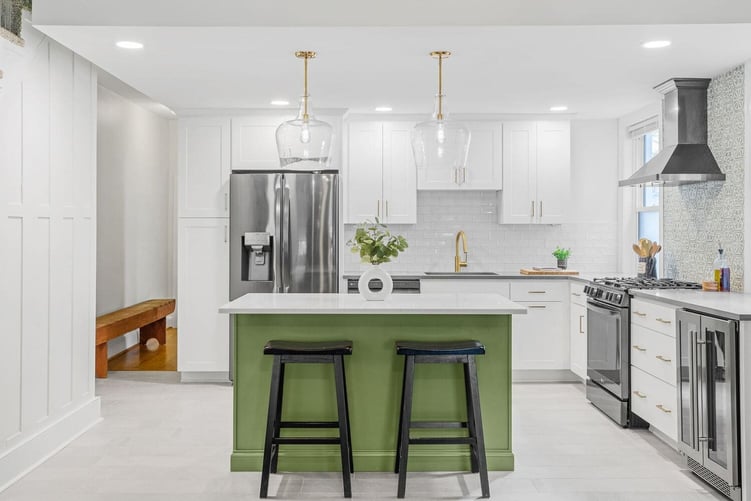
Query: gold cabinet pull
x=663, y=408
x=639, y=394
x=536, y=292
x=662, y=320
x=575, y=294
x=464, y=175
x=378, y=210
x=540, y=208
x=581, y=329
x=637, y=347
x=533, y=208
x=226, y=233
x=537, y=306
x=226, y=202
x=456, y=175
x=664, y=359
x=639, y=314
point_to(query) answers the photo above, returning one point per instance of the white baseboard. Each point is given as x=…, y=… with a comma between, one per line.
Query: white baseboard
x=544, y=376
x=36, y=449
x=122, y=343
x=204, y=377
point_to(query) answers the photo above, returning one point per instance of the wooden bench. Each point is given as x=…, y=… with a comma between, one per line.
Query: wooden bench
x=150, y=317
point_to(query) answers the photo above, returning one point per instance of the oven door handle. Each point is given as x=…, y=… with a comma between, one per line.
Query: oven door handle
x=600, y=309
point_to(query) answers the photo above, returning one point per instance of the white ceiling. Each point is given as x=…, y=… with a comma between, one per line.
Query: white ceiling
x=597, y=71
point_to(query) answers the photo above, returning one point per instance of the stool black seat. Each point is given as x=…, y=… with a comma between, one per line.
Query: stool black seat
x=462, y=352
x=317, y=352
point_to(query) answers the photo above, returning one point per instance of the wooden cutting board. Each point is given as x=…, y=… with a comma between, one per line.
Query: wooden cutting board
x=530, y=271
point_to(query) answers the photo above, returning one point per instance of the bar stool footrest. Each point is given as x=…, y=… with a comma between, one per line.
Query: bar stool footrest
x=305, y=440
x=443, y=441
x=438, y=424
x=309, y=424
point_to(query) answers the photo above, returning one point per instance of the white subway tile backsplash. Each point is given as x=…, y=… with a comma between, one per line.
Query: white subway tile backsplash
x=492, y=247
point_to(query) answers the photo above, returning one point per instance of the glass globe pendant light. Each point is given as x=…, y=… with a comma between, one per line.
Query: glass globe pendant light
x=304, y=143
x=440, y=143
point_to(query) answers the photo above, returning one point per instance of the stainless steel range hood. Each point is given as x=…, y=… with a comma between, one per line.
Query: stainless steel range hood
x=685, y=157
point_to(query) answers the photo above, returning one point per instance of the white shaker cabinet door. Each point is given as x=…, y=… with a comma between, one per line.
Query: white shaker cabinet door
x=540, y=340
x=254, y=142
x=578, y=340
x=202, y=287
x=363, y=176
x=203, y=167
x=484, y=163
x=553, y=171
x=518, y=201
x=399, y=175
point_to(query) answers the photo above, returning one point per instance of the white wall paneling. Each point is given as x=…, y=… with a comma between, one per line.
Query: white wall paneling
x=47, y=270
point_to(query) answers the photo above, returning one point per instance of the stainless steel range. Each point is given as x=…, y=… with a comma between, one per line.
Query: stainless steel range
x=608, y=340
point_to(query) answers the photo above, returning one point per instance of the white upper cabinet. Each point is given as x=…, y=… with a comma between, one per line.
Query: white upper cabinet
x=484, y=164
x=536, y=172
x=380, y=178
x=203, y=167
x=254, y=140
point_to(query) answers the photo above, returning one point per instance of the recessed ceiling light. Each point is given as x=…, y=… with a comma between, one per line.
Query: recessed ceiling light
x=128, y=44
x=656, y=44
x=558, y=108
x=383, y=108
x=279, y=102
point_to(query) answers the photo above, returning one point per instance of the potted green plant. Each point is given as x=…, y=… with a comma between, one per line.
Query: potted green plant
x=562, y=255
x=376, y=245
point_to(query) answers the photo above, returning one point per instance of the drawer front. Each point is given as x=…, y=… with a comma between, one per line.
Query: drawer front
x=577, y=293
x=539, y=290
x=655, y=401
x=654, y=316
x=654, y=353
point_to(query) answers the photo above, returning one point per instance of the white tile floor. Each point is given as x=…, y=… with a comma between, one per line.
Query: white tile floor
x=161, y=440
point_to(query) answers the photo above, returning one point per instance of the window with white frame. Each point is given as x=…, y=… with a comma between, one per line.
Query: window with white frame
x=645, y=140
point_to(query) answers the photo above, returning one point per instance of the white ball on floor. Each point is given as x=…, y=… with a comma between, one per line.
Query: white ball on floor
x=152, y=344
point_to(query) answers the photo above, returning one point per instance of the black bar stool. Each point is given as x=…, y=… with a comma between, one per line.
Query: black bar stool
x=462, y=352
x=291, y=352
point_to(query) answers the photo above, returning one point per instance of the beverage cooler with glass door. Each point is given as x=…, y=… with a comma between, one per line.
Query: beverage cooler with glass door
x=708, y=403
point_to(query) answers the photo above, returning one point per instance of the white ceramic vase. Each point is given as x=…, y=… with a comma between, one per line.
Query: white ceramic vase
x=375, y=272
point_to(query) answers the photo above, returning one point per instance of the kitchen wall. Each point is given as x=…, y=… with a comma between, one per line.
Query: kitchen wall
x=592, y=233
x=698, y=216
x=134, y=247
x=47, y=249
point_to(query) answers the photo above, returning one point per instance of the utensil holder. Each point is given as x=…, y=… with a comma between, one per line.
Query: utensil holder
x=646, y=268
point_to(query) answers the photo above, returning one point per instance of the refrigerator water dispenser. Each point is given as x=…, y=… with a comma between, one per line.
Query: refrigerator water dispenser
x=257, y=256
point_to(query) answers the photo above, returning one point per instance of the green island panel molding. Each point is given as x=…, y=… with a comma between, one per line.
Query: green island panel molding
x=374, y=378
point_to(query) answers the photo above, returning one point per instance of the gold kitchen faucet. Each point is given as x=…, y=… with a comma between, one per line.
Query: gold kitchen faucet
x=458, y=263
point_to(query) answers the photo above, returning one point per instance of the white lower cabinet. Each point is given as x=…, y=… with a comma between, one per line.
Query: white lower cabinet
x=654, y=396
x=655, y=401
x=578, y=330
x=202, y=287
x=540, y=338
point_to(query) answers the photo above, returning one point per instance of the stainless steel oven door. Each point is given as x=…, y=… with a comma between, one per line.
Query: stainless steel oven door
x=607, y=347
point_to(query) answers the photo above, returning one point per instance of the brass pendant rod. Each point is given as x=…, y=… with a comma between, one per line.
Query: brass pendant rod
x=440, y=55
x=305, y=54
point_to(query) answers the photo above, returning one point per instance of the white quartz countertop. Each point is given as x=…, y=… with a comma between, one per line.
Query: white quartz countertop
x=354, y=304
x=732, y=305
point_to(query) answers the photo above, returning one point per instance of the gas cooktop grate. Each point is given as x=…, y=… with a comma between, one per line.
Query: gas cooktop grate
x=645, y=283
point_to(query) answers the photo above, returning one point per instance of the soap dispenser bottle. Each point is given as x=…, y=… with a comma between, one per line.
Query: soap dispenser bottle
x=722, y=271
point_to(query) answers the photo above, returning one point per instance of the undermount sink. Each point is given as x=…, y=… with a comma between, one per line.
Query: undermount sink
x=461, y=273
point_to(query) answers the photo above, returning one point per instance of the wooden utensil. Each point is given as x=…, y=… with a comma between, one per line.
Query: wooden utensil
x=658, y=248
x=645, y=245
x=637, y=249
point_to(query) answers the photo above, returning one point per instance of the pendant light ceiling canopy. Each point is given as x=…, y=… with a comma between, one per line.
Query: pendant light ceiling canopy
x=441, y=143
x=304, y=143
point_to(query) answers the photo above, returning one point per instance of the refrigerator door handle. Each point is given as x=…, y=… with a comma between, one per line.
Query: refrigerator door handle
x=278, y=240
x=286, y=237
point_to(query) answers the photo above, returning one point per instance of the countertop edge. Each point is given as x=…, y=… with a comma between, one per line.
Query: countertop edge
x=732, y=315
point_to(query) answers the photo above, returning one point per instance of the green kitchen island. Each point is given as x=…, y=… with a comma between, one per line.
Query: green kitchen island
x=374, y=376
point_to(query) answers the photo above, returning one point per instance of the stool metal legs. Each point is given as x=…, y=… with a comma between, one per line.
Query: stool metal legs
x=476, y=438
x=271, y=423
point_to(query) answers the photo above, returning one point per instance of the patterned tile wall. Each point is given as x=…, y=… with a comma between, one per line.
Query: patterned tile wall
x=698, y=216
x=492, y=247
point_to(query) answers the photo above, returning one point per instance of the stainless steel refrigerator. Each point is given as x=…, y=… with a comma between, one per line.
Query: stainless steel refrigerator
x=284, y=232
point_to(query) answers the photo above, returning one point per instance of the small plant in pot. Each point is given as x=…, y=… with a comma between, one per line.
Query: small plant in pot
x=562, y=256
x=376, y=245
